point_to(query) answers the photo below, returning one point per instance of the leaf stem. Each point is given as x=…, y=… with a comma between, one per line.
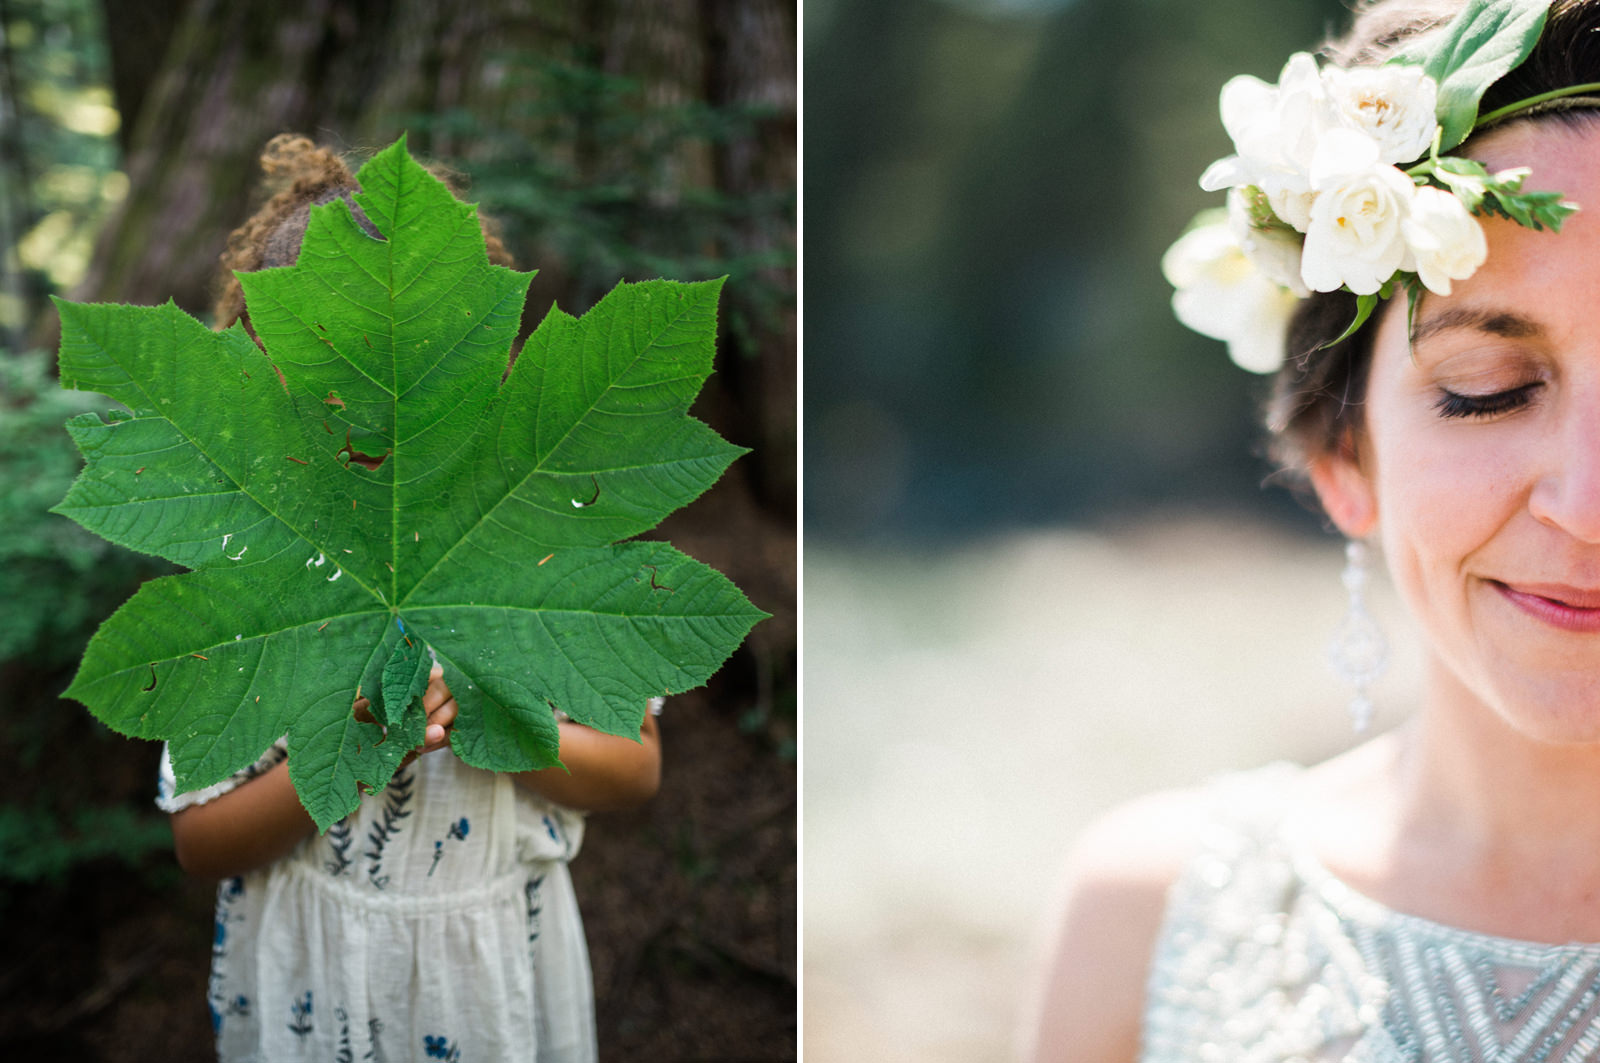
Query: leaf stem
x=1533, y=101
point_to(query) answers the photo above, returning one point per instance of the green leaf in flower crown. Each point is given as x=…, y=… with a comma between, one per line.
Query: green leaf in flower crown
x=1467, y=178
x=1532, y=210
x=368, y=487
x=1365, y=305
x=1487, y=40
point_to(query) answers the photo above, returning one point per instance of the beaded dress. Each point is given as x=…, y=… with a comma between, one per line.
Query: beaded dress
x=1265, y=956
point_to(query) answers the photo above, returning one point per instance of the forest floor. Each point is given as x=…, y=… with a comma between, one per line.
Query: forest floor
x=968, y=710
x=689, y=904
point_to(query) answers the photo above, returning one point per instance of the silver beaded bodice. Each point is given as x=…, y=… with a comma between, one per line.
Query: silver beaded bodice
x=1264, y=956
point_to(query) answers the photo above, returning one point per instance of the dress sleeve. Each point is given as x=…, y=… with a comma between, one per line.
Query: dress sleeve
x=169, y=800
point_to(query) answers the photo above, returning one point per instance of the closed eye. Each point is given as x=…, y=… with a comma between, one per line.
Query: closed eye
x=1451, y=404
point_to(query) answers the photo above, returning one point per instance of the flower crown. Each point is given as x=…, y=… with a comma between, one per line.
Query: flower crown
x=1339, y=182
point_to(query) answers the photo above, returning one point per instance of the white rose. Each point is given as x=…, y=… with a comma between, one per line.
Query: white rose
x=1293, y=205
x=1275, y=251
x=1221, y=294
x=1275, y=131
x=1394, y=105
x=1445, y=240
x=1355, y=237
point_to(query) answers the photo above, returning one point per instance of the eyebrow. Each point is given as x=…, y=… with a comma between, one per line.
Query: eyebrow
x=1493, y=322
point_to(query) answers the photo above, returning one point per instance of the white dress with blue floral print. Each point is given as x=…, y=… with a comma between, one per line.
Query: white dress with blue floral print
x=437, y=921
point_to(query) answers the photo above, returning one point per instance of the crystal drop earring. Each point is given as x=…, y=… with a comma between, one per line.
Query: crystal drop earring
x=1359, y=651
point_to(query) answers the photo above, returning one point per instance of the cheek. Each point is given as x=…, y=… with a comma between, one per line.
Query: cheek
x=1445, y=490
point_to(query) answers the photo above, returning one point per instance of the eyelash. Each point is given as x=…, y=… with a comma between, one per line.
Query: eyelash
x=1452, y=405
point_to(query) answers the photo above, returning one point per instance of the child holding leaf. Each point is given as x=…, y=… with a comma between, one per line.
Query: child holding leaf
x=437, y=920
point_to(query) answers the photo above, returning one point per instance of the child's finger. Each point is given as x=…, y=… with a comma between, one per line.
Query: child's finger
x=445, y=714
x=437, y=693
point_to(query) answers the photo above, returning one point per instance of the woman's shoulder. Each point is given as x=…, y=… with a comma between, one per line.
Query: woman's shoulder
x=1112, y=904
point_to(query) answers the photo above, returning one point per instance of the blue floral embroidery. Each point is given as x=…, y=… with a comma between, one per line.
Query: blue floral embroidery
x=458, y=831
x=340, y=838
x=396, y=798
x=374, y=1046
x=345, y=1054
x=301, y=1010
x=227, y=895
x=440, y=1048
x=535, y=906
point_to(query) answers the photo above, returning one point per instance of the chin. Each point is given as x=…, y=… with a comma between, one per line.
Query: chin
x=1553, y=712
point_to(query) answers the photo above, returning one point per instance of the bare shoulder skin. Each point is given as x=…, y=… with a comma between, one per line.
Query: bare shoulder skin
x=1090, y=996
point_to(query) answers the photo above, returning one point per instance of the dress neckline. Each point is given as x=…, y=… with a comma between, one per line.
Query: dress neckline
x=1350, y=904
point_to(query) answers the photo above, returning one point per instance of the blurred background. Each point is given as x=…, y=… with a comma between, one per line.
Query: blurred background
x=612, y=139
x=1043, y=572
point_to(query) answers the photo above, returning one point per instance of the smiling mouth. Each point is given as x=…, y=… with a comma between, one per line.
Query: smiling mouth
x=1567, y=608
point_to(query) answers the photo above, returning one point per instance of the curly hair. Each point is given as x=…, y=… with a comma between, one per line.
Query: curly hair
x=1318, y=395
x=300, y=175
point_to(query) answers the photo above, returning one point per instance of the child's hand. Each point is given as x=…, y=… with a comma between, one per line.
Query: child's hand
x=440, y=708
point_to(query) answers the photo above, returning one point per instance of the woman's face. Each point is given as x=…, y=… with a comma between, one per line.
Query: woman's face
x=1479, y=466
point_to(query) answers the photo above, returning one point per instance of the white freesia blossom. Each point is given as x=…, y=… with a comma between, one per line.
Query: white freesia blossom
x=1318, y=200
x=1355, y=238
x=1445, y=240
x=1221, y=294
x=1275, y=131
x=1275, y=251
x=1394, y=105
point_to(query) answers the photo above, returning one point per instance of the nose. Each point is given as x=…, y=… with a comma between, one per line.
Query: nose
x=1568, y=495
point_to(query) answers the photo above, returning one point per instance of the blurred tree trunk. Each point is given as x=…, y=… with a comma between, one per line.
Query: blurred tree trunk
x=753, y=63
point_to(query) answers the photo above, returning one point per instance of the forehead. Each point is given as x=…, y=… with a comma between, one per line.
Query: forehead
x=1539, y=273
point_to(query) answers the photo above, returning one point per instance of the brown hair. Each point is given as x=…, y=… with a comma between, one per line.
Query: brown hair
x=302, y=175
x=1318, y=395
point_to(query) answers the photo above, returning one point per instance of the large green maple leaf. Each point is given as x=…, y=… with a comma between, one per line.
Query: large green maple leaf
x=490, y=530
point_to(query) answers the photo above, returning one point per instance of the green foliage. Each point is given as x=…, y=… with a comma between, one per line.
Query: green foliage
x=58, y=152
x=56, y=580
x=390, y=487
x=1482, y=44
x=1501, y=194
x=39, y=845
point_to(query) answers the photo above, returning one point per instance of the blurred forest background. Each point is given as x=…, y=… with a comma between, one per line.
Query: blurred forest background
x=1042, y=570
x=613, y=139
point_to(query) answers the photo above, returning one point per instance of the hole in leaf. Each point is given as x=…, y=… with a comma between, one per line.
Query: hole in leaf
x=367, y=461
x=583, y=505
x=152, y=685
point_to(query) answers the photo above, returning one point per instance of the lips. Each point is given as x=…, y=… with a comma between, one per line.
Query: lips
x=1557, y=604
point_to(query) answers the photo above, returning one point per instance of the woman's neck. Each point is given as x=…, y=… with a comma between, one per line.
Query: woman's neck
x=1468, y=774
x=1461, y=819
